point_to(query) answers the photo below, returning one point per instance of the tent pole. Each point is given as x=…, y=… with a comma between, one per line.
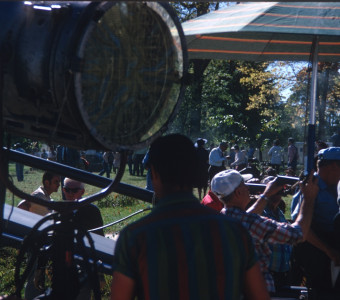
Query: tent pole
x=311, y=125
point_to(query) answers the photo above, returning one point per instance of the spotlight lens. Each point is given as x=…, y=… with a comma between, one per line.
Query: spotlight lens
x=131, y=65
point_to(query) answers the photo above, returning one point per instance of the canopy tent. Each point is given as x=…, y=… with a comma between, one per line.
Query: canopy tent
x=266, y=31
x=270, y=31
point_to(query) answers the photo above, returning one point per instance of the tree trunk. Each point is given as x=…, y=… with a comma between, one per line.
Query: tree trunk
x=196, y=112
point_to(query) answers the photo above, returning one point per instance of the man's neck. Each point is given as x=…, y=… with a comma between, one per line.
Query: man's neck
x=232, y=204
x=167, y=190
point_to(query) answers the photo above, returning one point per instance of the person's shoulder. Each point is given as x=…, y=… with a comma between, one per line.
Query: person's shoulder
x=40, y=193
x=234, y=224
x=90, y=208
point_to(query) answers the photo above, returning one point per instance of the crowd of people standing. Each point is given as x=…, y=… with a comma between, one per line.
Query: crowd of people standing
x=255, y=249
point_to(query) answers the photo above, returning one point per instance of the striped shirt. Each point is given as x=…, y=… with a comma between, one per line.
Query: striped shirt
x=264, y=231
x=183, y=250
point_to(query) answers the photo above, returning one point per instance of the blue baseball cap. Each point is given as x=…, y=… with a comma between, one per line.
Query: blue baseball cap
x=331, y=153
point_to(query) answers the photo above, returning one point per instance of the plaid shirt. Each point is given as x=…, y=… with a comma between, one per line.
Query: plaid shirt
x=280, y=258
x=263, y=231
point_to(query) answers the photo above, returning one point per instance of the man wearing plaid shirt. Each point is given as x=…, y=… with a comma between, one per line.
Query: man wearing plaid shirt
x=229, y=186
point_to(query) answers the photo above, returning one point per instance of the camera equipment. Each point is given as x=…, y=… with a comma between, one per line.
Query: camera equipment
x=282, y=180
x=255, y=188
x=91, y=75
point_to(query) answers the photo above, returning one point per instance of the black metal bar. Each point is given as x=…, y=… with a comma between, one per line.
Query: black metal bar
x=80, y=175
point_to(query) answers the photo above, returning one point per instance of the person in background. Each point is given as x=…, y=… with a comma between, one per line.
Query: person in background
x=130, y=161
x=212, y=201
x=44, y=154
x=106, y=165
x=240, y=159
x=50, y=184
x=87, y=217
x=231, y=156
x=183, y=250
x=276, y=156
x=203, y=166
x=217, y=159
x=19, y=168
x=52, y=155
x=148, y=173
x=251, y=151
x=322, y=245
x=116, y=161
x=319, y=145
x=138, y=156
x=280, y=253
x=68, y=156
x=293, y=155
x=86, y=163
x=230, y=187
x=335, y=138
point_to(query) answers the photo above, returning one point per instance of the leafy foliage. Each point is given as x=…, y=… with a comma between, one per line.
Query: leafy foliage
x=239, y=103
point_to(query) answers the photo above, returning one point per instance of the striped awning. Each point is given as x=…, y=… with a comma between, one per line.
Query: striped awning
x=266, y=31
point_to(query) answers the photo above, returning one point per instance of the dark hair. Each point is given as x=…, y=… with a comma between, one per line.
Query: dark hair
x=321, y=145
x=270, y=172
x=48, y=176
x=276, y=142
x=200, y=142
x=227, y=199
x=174, y=157
x=291, y=140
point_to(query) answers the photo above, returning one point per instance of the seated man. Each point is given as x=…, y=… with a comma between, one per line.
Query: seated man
x=87, y=217
x=230, y=187
x=51, y=183
x=183, y=250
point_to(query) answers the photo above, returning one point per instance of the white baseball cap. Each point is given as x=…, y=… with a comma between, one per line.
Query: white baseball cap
x=224, y=183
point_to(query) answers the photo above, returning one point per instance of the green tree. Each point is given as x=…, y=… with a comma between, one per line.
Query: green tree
x=327, y=100
x=241, y=101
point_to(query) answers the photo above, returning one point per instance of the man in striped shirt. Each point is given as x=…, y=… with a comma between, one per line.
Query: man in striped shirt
x=183, y=250
x=229, y=186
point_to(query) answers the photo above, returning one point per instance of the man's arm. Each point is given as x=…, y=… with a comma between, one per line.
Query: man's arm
x=271, y=189
x=254, y=284
x=24, y=204
x=310, y=191
x=122, y=287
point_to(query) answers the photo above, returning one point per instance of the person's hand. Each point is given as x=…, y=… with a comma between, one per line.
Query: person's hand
x=272, y=188
x=310, y=188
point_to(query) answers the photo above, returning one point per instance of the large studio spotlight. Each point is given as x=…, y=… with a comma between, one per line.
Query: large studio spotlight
x=90, y=75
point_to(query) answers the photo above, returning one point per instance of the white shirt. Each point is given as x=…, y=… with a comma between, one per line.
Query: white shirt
x=216, y=157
